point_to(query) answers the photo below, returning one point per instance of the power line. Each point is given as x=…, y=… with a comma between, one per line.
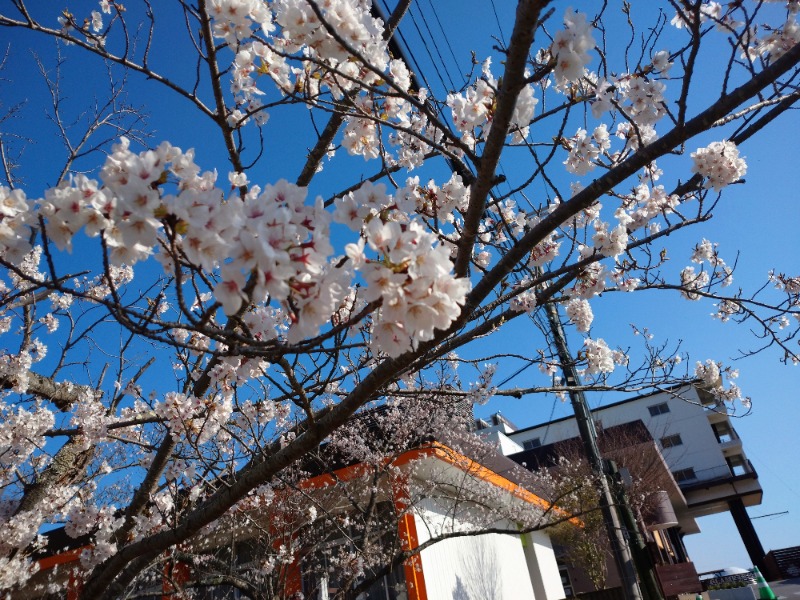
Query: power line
x=499, y=27
x=417, y=69
x=436, y=47
x=784, y=512
x=446, y=39
x=427, y=49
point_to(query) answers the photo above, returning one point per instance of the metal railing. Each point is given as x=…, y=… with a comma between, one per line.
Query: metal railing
x=719, y=472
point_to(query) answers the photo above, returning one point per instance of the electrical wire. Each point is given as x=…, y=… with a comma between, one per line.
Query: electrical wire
x=499, y=27
x=427, y=48
x=416, y=66
x=446, y=39
x=436, y=47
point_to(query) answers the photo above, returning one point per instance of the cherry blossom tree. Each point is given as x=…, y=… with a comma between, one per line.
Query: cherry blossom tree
x=588, y=547
x=177, y=342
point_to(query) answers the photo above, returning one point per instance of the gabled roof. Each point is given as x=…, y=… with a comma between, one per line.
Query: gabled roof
x=472, y=457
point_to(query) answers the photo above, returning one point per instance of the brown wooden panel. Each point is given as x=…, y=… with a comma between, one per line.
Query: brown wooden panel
x=677, y=579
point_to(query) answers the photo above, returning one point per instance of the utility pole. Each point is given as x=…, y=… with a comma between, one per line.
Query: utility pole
x=651, y=590
x=619, y=543
x=588, y=433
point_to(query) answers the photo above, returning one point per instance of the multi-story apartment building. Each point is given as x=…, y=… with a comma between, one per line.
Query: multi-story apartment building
x=697, y=441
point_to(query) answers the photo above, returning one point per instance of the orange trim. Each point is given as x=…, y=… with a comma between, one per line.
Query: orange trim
x=415, y=576
x=74, y=586
x=407, y=525
x=290, y=576
x=450, y=456
x=293, y=582
x=48, y=562
x=177, y=572
x=446, y=454
x=407, y=532
x=330, y=479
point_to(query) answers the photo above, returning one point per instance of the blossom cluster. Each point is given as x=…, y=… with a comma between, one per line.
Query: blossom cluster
x=726, y=309
x=501, y=220
x=290, y=27
x=472, y=110
x=20, y=430
x=544, y=251
x=441, y=203
x=580, y=313
x=646, y=203
x=599, y=357
x=585, y=149
x=610, y=243
x=591, y=281
x=411, y=275
x=14, y=218
x=21, y=529
x=481, y=391
x=524, y=300
x=693, y=282
x=292, y=45
x=719, y=163
x=90, y=417
x=711, y=373
x=195, y=419
x=778, y=41
x=641, y=97
x=685, y=17
x=277, y=245
x=787, y=284
x=571, y=46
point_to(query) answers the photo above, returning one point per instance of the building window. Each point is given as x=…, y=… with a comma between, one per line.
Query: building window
x=671, y=441
x=531, y=444
x=684, y=475
x=658, y=409
x=565, y=579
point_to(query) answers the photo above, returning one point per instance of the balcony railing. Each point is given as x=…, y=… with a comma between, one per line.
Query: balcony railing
x=720, y=473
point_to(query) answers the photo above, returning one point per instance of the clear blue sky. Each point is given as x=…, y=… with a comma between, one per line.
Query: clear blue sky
x=761, y=220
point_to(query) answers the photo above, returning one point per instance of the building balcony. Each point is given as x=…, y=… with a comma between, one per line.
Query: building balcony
x=716, y=415
x=718, y=475
x=711, y=489
x=731, y=446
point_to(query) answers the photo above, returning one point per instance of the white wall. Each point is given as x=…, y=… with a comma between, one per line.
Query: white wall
x=700, y=449
x=500, y=441
x=542, y=566
x=481, y=567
